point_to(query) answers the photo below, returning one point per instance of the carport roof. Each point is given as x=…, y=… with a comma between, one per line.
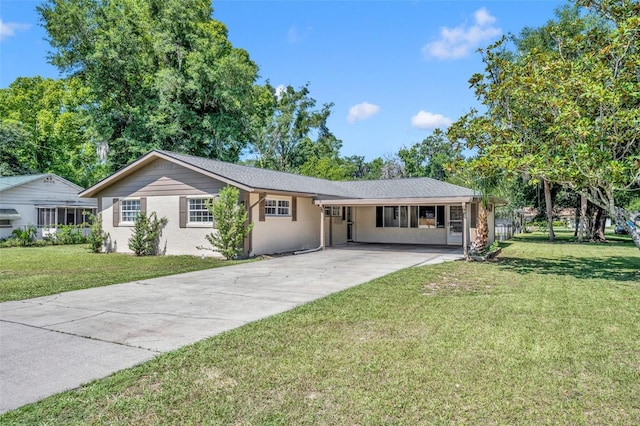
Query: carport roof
x=254, y=179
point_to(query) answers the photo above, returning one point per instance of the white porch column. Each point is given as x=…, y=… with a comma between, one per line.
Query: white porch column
x=322, y=226
x=465, y=230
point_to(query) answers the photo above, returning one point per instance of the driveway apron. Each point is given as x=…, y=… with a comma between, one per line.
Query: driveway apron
x=53, y=343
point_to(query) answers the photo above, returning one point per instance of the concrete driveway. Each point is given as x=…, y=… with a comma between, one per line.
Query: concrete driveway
x=53, y=343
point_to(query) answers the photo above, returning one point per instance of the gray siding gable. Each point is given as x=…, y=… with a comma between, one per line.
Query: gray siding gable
x=162, y=177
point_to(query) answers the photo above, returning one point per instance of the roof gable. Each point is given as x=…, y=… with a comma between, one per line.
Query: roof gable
x=9, y=182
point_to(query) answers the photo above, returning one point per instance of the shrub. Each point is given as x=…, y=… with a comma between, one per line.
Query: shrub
x=25, y=236
x=69, y=234
x=97, y=236
x=230, y=221
x=146, y=234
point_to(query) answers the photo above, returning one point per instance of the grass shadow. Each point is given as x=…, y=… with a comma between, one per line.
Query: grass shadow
x=624, y=269
x=616, y=267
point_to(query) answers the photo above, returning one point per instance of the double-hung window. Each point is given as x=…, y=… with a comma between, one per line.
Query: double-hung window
x=274, y=207
x=129, y=210
x=198, y=212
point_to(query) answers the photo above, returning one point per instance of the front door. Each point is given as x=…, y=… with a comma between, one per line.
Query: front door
x=349, y=214
x=455, y=228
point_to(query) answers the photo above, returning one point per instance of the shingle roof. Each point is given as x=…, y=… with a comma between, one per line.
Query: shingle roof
x=8, y=182
x=257, y=178
x=405, y=188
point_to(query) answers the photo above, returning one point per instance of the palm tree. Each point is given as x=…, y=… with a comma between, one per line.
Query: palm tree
x=485, y=184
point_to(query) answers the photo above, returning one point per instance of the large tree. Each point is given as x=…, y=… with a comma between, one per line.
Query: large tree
x=430, y=157
x=45, y=125
x=289, y=131
x=566, y=111
x=162, y=74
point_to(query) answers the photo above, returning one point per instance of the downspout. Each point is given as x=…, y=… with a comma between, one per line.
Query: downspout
x=321, y=246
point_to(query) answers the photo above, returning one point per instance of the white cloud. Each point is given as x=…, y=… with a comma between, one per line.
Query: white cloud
x=428, y=120
x=458, y=42
x=362, y=111
x=281, y=88
x=483, y=17
x=8, y=29
x=295, y=36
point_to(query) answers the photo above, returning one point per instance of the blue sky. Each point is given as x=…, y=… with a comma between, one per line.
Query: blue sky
x=395, y=70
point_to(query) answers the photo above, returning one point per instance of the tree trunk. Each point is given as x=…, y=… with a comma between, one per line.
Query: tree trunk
x=597, y=232
x=479, y=245
x=549, y=203
x=623, y=218
x=583, y=214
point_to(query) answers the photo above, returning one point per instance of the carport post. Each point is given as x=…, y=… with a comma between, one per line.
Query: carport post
x=465, y=230
x=322, y=226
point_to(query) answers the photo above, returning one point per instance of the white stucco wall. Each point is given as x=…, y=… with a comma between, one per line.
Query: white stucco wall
x=174, y=240
x=282, y=234
x=335, y=230
x=28, y=216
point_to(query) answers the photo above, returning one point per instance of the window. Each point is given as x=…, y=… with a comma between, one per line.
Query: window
x=455, y=221
x=276, y=207
x=396, y=217
x=129, y=210
x=431, y=217
x=404, y=217
x=49, y=217
x=413, y=216
x=198, y=212
x=440, y=216
x=5, y=223
x=333, y=211
x=46, y=217
x=427, y=216
x=474, y=215
x=379, y=216
x=391, y=216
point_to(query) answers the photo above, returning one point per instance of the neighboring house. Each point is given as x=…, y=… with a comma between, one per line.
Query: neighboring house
x=43, y=200
x=289, y=212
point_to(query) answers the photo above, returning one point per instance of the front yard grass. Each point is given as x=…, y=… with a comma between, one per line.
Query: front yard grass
x=548, y=334
x=27, y=272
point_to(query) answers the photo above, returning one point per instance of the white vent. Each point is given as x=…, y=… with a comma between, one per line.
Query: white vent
x=49, y=179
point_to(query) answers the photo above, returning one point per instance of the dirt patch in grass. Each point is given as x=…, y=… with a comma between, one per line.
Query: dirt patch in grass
x=455, y=283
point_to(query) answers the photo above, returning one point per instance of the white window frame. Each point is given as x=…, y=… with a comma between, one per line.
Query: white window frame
x=277, y=207
x=333, y=211
x=203, y=212
x=131, y=213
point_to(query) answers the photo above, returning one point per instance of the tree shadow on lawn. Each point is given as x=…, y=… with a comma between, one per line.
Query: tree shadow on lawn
x=616, y=268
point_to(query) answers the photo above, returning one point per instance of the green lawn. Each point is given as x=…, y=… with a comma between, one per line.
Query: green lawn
x=39, y=271
x=548, y=334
